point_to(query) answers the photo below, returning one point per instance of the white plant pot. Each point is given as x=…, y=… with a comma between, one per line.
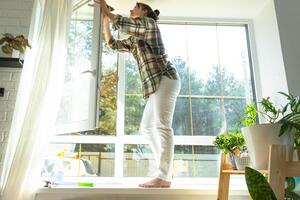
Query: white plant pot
x=15, y=54
x=258, y=138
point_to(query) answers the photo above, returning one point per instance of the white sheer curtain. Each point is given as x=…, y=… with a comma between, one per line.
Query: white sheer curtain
x=37, y=100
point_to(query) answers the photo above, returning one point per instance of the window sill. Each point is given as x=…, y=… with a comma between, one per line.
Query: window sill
x=131, y=191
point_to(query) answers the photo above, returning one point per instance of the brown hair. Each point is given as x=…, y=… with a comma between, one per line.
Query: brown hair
x=150, y=13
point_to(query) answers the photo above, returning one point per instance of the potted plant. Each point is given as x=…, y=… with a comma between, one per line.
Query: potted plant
x=9, y=44
x=232, y=144
x=280, y=128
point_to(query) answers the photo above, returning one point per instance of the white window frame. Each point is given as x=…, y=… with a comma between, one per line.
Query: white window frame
x=92, y=121
x=120, y=139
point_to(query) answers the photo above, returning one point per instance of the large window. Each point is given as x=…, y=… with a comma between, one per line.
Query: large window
x=213, y=63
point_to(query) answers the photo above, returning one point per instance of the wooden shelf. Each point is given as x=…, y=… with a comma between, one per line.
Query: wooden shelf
x=237, y=171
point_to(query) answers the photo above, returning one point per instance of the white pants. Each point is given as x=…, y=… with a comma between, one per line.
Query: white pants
x=156, y=125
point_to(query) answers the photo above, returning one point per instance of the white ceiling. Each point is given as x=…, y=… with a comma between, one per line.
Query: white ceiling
x=234, y=9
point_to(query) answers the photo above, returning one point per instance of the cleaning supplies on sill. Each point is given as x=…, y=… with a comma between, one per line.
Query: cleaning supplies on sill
x=68, y=184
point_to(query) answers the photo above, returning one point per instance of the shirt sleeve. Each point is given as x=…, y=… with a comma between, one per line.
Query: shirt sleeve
x=134, y=27
x=120, y=45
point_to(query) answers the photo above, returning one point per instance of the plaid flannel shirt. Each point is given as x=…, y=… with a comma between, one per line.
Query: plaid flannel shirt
x=146, y=46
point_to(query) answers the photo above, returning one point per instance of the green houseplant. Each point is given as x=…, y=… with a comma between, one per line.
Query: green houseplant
x=9, y=43
x=272, y=114
x=231, y=144
x=283, y=122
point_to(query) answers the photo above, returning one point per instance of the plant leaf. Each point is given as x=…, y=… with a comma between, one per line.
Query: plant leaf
x=284, y=127
x=258, y=186
x=7, y=49
x=8, y=35
x=291, y=195
x=285, y=108
x=291, y=183
x=2, y=40
x=288, y=96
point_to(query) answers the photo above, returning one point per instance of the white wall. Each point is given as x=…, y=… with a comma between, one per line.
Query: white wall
x=288, y=19
x=14, y=18
x=9, y=79
x=269, y=72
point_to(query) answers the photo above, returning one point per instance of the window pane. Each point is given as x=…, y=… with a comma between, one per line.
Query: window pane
x=108, y=97
x=80, y=160
x=134, y=102
x=234, y=59
x=207, y=116
x=107, y=93
x=195, y=161
x=213, y=74
x=203, y=59
x=133, y=85
x=234, y=109
x=182, y=117
x=77, y=107
x=138, y=161
x=177, y=51
x=134, y=106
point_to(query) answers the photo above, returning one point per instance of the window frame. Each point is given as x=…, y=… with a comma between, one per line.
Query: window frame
x=93, y=113
x=120, y=139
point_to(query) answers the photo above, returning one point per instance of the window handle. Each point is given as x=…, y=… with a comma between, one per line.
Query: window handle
x=93, y=72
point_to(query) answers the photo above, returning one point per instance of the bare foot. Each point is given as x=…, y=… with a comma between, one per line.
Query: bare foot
x=156, y=183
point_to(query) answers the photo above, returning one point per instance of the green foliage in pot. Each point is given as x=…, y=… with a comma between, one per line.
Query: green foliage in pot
x=291, y=120
x=10, y=43
x=230, y=142
x=250, y=116
x=288, y=115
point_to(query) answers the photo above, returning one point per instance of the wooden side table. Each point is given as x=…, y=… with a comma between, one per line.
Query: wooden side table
x=224, y=177
x=278, y=168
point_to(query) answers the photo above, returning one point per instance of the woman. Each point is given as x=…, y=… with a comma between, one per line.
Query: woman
x=160, y=81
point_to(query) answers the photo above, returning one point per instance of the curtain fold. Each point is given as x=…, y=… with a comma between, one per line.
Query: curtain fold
x=37, y=100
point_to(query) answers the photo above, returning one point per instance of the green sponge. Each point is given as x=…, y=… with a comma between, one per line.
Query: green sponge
x=83, y=184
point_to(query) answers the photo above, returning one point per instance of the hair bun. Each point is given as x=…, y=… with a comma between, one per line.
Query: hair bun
x=156, y=12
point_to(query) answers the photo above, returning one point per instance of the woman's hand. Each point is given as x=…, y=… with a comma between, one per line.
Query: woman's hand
x=101, y=3
x=104, y=8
